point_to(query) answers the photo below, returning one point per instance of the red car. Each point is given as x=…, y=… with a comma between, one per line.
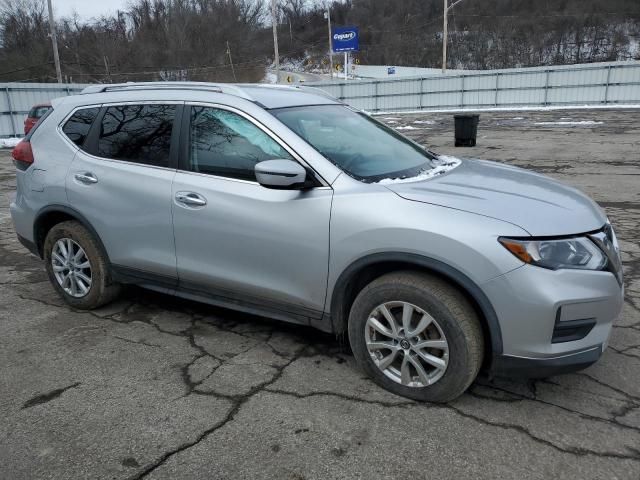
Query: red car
x=36, y=112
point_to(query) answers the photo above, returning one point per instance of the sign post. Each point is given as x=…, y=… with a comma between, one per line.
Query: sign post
x=346, y=65
x=345, y=39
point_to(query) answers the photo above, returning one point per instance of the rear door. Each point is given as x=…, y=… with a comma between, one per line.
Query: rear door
x=120, y=180
x=237, y=242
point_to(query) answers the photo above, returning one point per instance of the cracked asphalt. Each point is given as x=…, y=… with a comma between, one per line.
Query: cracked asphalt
x=160, y=388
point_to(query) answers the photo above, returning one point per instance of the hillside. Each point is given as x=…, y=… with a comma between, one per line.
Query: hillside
x=187, y=39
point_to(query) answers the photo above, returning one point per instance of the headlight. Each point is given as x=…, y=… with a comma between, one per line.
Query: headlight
x=579, y=253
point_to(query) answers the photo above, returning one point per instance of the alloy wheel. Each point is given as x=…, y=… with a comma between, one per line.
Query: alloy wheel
x=406, y=344
x=71, y=267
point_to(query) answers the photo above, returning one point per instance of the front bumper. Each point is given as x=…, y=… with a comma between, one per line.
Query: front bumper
x=552, y=321
x=509, y=366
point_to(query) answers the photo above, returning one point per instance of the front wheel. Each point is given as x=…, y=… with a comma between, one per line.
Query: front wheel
x=416, y=336
x=77, y=267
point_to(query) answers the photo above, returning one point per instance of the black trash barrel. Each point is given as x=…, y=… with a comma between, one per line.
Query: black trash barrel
x=466, y=130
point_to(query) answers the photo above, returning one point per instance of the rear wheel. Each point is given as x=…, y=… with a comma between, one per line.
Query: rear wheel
x=416, y=336
x=77, y=267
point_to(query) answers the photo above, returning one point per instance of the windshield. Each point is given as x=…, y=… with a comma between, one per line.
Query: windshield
x=359, y=145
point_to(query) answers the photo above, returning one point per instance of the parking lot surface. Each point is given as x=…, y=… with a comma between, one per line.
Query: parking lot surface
x=160, y=388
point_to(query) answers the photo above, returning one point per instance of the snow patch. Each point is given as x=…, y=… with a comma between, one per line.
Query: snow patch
x=9, y=142
x=269, y=77
x=442, y=164
x=392, y=118
x=579, y=122
x=517, y=118
x=407, y=127
x=424, y=122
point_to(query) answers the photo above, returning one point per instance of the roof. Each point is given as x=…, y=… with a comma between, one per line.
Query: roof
x=280, y=96
x=267, y=96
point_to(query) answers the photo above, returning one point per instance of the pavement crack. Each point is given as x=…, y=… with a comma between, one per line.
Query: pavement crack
x=518, y=397
x=237, y=403
x=137, y=342
x=576, y=451
x=186, y=375
x=625, y=351
x=47, y=397
x=344, y=396
x=630, y=397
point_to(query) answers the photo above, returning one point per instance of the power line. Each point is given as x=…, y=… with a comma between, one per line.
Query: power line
x=25, y=68
x=551, y=15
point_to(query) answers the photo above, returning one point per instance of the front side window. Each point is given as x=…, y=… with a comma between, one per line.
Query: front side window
x=78, y=126
x=357, y=144
x=137, y=133
x=226, y=144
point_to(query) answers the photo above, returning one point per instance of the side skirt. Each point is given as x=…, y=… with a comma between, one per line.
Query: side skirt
x=286, y=312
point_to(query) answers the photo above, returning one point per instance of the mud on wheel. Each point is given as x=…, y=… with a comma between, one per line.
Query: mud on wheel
x=417, y=336
x=77, y=267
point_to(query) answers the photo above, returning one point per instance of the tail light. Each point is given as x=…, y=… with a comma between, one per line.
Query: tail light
x=22, y=155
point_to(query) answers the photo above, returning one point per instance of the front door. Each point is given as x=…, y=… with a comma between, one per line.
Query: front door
x=241, y=244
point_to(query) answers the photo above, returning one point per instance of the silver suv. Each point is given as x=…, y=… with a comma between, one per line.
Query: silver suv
x=285, y=203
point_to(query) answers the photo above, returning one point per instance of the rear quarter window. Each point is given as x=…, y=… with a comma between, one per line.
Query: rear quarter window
x=37, y=112
x=38, y=123
x=77, y=127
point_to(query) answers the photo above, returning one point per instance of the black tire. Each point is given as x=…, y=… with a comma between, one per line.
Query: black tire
x=102, y=289
x=449, y=308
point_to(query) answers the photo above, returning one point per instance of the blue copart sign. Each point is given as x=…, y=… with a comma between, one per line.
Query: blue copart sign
x=344, y=39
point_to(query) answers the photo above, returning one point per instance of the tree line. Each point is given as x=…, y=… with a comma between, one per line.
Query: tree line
x=199, y=39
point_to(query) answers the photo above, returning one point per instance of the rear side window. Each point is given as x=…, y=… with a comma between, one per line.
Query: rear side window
x=137, y=133
x=77, y=127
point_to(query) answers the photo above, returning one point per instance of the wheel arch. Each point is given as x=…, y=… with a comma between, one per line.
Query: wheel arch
x=366, y=269
x=50, y=216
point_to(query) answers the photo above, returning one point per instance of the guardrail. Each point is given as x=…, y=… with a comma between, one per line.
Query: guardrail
x=600, y=84
x=16, y=99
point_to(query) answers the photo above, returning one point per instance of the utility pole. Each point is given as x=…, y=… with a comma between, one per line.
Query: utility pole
x=290, y=35
x=106, y=68
x=328, y=17
x=444, y=32
x=444, y=36
x=54, y=41
x=274, y=21
x=231, y=62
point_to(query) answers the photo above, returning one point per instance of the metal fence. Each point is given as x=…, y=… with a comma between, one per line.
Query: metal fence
x=598, y=84
x=595, y=84
x=16, y=99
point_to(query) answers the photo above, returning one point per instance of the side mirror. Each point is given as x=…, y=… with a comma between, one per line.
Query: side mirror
x=281, y=174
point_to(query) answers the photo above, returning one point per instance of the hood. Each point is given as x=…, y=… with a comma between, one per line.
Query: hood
x=534, y=202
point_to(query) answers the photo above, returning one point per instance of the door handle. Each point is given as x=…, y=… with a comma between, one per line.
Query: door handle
x=87, y=178
x=191, y=198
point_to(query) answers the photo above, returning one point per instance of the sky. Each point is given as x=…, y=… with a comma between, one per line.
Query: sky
x=87, y=8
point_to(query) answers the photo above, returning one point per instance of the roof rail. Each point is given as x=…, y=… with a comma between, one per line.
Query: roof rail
x=304, y=88
x=227, y=88
x=318, y=91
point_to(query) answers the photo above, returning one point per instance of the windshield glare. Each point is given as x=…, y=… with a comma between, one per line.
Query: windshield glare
x=359, y=145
